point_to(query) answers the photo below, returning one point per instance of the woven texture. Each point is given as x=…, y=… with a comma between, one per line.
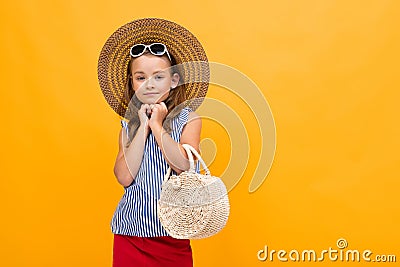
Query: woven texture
x=181, y=44
x=193, y=205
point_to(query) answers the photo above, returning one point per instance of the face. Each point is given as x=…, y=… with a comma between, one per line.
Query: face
x=152, y=78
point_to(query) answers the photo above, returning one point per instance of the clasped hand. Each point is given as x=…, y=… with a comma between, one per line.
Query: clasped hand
x=152, y=115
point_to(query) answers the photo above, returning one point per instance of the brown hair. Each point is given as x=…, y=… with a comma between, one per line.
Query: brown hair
x=176, y=97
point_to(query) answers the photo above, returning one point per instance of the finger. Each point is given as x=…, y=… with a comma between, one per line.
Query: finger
x=143, y=108
x=154, y=106
x=149, y=111
x=163, y=105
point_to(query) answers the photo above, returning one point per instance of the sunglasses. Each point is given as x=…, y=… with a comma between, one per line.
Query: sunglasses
x=157, y=49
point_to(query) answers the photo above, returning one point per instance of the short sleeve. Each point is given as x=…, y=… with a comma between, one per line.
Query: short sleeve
x=124, y=124
x=183, y=118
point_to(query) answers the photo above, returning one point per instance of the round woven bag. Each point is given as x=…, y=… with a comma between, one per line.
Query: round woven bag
x=193, y=205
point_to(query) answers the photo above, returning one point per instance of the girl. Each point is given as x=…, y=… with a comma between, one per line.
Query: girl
x=160, y=119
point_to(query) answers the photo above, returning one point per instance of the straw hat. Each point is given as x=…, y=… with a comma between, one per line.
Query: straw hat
x=181, y=44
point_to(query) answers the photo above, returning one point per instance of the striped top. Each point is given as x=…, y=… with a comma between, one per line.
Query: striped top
x=136, y=213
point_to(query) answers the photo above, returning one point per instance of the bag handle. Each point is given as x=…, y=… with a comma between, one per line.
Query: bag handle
x=190, y=151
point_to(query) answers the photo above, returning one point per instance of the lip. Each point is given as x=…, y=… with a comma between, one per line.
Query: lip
x=152, y=93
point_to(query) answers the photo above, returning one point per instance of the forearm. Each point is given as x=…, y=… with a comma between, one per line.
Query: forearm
x=173, y=152
x=129, y=163
x=134, y=153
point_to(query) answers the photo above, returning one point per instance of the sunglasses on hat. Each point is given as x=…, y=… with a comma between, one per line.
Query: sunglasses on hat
x=157, y=49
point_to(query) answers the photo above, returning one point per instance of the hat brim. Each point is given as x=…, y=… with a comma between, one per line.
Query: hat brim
x=181, y=44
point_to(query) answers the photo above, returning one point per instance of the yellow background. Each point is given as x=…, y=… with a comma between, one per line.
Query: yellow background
x=329, y=70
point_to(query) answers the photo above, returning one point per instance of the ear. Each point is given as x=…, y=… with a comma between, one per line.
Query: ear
x=174, y=80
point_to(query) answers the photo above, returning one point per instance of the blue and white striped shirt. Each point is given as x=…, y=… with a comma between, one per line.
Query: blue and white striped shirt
x=136, y=213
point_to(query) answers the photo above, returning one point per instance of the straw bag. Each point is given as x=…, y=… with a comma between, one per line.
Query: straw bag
x=193, y=205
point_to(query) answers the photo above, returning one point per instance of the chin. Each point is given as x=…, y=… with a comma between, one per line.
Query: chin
x=146, y=100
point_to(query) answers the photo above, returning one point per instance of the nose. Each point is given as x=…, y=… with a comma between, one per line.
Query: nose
x=150, y=83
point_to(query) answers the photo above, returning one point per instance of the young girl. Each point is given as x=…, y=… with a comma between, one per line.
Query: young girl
x=160, y=119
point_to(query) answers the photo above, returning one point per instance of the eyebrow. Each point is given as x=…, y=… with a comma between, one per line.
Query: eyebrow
x=142, y=72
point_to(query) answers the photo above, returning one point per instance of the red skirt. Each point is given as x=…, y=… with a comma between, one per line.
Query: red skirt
x=162, y=251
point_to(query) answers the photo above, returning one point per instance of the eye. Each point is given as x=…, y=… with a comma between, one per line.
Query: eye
x=159, y=77
x=139, y=78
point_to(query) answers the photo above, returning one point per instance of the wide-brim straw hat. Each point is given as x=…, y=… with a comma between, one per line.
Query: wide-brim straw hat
x=181, y=44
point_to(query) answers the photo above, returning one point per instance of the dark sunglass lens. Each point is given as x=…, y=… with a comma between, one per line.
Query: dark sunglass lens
x=157, y=49
x=137, y=49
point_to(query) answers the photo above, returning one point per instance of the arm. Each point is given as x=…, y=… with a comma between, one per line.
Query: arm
x=133, y=154
x=173, y=152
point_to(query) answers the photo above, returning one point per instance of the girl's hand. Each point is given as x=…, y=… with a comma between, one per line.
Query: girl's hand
x=158, y=114
x=144, y=113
